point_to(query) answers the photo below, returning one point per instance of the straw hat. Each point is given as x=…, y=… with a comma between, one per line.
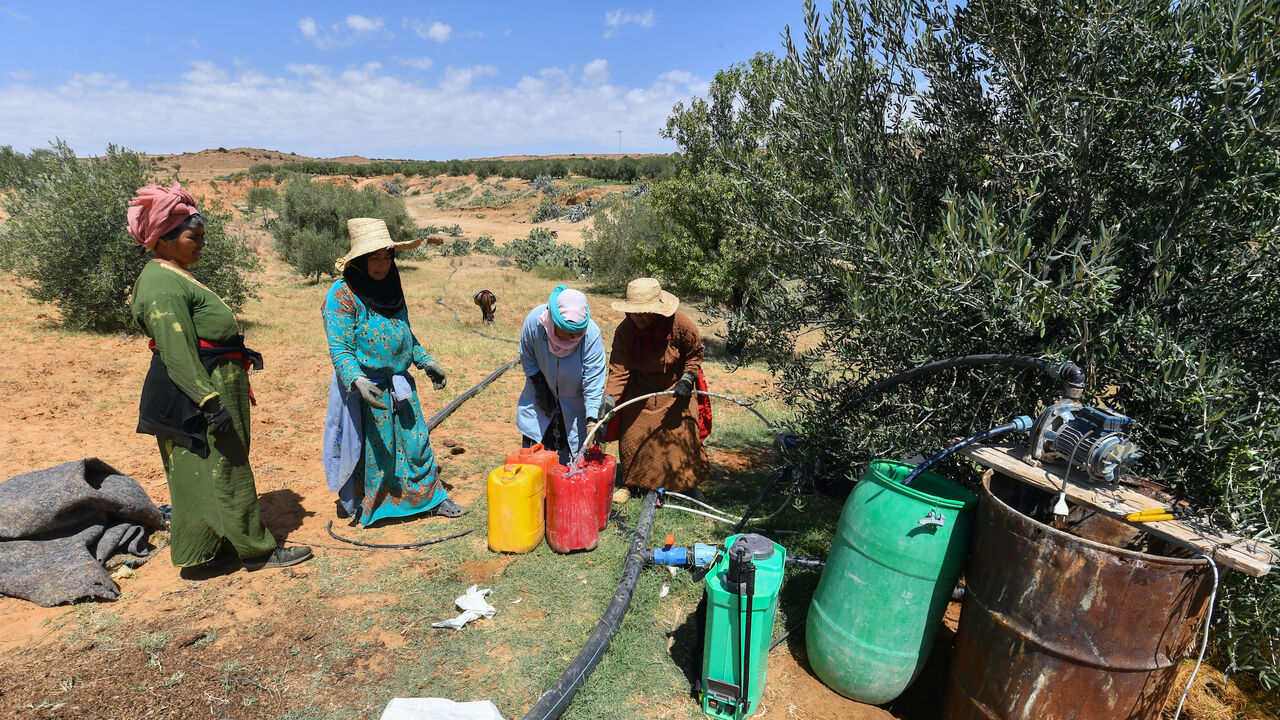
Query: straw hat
x=370, y=235
x=645, y=295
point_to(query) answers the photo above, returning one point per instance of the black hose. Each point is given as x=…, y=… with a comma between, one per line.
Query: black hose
x=806, y=561
x=1022, y=422
x=402, y=546
x=785, y=472
x=778, y=641
x=556, y=699
x=1068, y=372
x=447, y=410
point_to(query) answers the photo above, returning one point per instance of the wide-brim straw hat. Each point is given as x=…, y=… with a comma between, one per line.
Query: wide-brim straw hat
x=645, y=295
x=370, y=235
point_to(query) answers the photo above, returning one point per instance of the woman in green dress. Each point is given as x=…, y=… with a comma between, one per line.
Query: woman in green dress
x=196, y=396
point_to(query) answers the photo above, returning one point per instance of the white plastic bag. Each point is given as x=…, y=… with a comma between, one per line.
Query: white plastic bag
x=473, y=606
x=439, y=709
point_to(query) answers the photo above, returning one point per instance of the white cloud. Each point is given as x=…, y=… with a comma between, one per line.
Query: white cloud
x=422, y=63
x=596, y=72
x=439, y=31
x=456, y=79
x=330, y=111
x=23, y=75
x=615, y=19
x=362, y=24
x=205, y=73
x=352, y=29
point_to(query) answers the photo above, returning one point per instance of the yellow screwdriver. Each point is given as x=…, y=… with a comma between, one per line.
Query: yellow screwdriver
x=1152, y=515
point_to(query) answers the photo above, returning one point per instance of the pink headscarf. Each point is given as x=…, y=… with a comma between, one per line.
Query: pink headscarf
x=573, y=307
x=156, y=211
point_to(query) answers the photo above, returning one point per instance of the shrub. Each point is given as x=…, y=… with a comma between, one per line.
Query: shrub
x=458, y=248
x=546, y=210
x=539, y=248
x=395, y=186
x=258, y=171
x=620, y=241
x=543, y=184
x=262, y=197
x=484, y=244
x=323, y=210
x=454, y=230
x=17, y=169
x=67, y=236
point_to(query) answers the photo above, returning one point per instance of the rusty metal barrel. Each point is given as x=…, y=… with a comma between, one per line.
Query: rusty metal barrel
x=1056, y=626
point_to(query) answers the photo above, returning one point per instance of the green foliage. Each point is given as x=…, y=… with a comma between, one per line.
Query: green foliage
x=258, y=171
x=311, y=232
x=625, y=169
x=454, y=230
x=485, y=245
x=67, y=237
x=1088, y=181
x=18, y=169
x=458, y=248
x=547, y=209
x=262, y=197
x=622, y=240
x=539, y=249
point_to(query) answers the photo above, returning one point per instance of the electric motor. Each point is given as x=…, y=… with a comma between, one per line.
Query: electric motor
x=1089, y=439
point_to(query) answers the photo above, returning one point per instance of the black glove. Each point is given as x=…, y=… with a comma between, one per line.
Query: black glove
x=436, y=374
x=606, y=408
x=605, y=413
x=542, y=393
x=217, y=419
x=684, y=386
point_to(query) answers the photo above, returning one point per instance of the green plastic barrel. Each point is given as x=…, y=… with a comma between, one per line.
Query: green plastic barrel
x=897, y=553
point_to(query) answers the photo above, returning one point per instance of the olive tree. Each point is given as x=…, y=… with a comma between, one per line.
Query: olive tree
x=67, y=238
x=311, y=230
x=1087, y=181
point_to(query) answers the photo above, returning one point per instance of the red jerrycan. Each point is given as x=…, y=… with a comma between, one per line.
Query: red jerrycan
x=604, y=468
x=535, y=455
x=571, y=510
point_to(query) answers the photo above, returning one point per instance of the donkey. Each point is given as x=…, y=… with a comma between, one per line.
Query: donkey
x=487, y=301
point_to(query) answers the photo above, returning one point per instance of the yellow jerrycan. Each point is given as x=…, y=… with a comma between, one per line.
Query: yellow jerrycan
x=515, y=508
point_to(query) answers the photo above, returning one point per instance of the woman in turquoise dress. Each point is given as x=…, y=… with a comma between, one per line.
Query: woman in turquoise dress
x=377, y=449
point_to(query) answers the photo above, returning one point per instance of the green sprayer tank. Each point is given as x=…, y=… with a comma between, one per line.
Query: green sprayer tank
x=897, y=553
x=734, y=647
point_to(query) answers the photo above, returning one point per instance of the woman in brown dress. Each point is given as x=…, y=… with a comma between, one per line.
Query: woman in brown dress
x=656, y=348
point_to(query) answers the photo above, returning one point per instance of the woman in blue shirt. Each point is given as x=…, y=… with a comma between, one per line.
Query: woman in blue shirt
x=562, y=352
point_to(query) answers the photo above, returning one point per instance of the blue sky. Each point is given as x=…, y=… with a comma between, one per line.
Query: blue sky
x=380, y=79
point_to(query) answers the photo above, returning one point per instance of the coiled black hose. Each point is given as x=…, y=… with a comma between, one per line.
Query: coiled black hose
x=556, y=699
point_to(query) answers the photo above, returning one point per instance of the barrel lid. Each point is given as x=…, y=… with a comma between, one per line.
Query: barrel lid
x=761, y=547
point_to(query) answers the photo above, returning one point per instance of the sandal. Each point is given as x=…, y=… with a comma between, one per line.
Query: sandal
x=447, y=508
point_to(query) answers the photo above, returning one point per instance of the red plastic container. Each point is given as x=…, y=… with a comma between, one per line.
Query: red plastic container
x=535, y=455
x=572, y=510
x=604, y=468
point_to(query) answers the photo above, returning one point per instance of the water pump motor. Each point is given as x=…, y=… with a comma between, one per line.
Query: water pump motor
x=1089, y=439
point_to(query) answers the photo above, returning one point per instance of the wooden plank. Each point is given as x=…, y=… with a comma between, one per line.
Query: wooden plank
x=1248, y=556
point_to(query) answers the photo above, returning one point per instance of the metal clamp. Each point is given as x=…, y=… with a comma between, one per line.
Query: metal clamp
x=933, y=518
